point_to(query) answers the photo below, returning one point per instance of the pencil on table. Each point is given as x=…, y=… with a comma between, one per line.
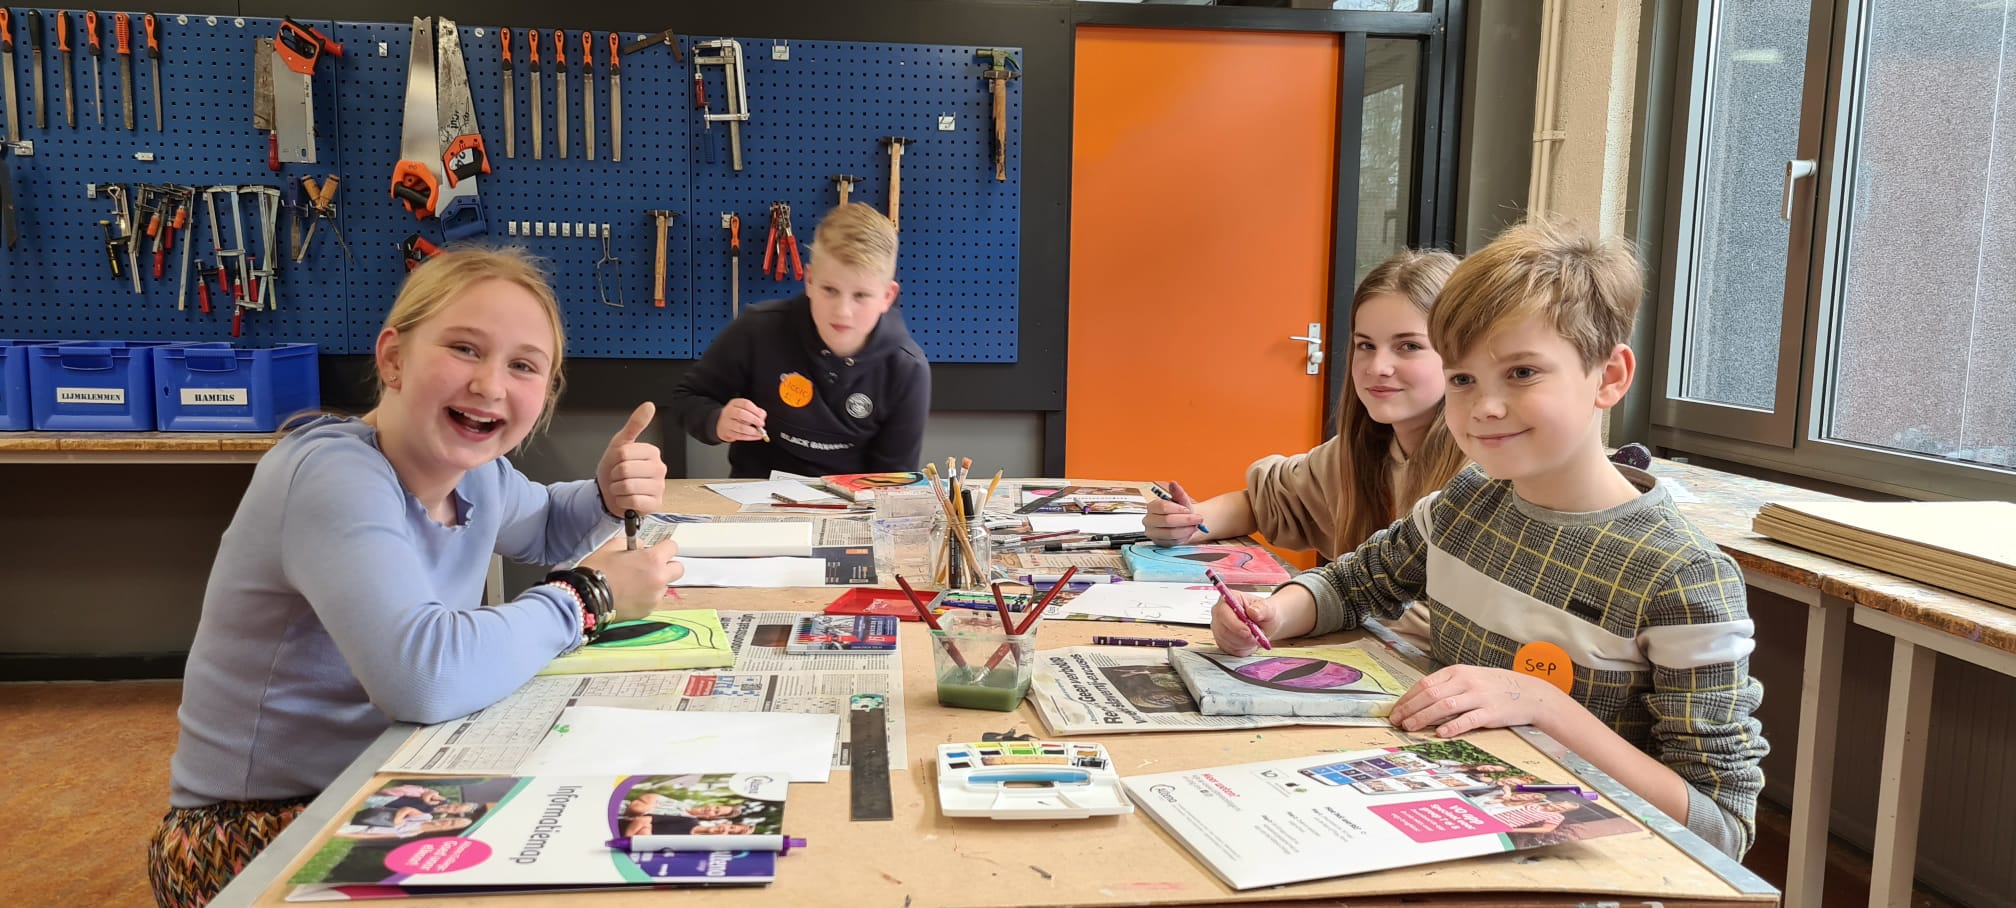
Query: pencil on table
x=1043, y=605
x=990, y=490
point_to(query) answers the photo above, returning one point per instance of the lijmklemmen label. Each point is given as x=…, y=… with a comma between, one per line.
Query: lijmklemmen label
x=114, y=396
x=215, y=397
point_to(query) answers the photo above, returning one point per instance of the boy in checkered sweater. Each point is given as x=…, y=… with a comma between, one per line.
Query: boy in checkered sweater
x=1544, y=542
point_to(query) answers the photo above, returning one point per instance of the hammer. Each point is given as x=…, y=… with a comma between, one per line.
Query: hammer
x=895, y=144
x=846, y=183
x=664, y=220
x=998, y=76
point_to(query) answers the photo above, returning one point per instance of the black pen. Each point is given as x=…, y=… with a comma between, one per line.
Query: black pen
x=1103, y=640
x=630, y=522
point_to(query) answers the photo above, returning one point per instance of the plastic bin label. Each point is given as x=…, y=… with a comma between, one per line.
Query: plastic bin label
x=114, y=396
x=215, y=397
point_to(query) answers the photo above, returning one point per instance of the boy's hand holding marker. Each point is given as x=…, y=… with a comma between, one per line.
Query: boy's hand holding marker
x=1173, y=520
x=741, y=420
x=632, y=474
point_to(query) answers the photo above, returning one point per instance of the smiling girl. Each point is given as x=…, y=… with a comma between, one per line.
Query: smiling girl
x=346, y=592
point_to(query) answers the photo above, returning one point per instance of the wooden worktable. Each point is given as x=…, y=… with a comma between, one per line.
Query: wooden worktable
x=134, y=447
x=925, y=859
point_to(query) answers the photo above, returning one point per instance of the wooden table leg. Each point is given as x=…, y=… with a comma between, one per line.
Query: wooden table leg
x=1905, y=736
x=1813, y=775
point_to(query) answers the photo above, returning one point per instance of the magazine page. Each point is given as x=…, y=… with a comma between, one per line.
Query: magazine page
x=548, y=830
x=1336, y=814
x=1088, y=690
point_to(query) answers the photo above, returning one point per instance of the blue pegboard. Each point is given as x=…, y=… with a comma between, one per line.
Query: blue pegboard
x=824, y=112
x=820, y=112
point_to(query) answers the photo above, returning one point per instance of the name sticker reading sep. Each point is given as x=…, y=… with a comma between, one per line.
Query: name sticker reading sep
x=1548, y=662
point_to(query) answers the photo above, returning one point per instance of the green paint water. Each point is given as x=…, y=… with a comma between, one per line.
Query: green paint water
x=999, y=690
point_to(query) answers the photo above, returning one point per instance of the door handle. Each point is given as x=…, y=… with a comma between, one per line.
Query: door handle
x=1315, y=341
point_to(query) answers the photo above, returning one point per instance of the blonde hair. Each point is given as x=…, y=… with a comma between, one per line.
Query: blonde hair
x=1369, y=502
x=857, y=236
x=1588, y=289
x=441, y=280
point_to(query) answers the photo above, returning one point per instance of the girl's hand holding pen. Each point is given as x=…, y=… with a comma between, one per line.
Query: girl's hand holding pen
x=1172, y=519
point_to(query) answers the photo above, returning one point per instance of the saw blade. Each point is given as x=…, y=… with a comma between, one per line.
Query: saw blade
x=460, y=141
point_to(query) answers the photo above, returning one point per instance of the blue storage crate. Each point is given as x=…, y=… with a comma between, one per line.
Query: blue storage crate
x=93, y=386
x=15, y=415
x=220, y=388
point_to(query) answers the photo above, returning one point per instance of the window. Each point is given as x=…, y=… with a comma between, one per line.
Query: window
x=1840, y=292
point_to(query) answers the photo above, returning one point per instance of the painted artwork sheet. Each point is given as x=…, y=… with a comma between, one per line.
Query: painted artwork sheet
x=1341, y=680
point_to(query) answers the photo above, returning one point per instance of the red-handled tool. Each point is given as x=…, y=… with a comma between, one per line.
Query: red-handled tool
x=122, y=35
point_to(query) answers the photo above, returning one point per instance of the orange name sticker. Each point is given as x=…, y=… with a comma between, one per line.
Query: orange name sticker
x=794, y=389
x=1548, y=662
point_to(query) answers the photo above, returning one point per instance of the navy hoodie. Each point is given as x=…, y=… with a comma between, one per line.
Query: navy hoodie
x=826, y=414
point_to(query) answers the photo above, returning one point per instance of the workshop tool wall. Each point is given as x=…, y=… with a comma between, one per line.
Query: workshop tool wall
x=821, y=112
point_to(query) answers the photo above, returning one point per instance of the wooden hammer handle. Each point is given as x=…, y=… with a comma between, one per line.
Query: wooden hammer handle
x=895, y=184
x=658, y=266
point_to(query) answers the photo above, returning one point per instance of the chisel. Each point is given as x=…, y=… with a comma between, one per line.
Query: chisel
x=510, y=95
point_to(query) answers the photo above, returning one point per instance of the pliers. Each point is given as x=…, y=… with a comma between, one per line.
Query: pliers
x=782, y=240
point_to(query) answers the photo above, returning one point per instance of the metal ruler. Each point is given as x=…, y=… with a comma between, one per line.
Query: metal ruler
x=868, y=763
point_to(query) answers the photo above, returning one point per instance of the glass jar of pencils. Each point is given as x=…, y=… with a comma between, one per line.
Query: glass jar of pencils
x=965, y=555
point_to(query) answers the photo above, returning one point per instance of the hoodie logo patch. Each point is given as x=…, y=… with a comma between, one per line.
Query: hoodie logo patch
x=794, y=389
x=859, y=406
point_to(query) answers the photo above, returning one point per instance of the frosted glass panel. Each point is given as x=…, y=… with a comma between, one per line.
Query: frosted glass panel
x=1735, y=312
x=1925, y=337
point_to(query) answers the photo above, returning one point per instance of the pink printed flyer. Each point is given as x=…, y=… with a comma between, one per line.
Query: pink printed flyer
x=1337, y=814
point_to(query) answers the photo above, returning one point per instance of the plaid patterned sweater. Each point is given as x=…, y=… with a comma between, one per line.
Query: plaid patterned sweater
x=1651, y=612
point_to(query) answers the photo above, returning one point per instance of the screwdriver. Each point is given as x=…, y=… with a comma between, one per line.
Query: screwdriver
x=154, y=58
x=97, y=54
x=69, y=62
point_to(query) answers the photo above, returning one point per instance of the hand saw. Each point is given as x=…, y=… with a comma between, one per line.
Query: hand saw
x=416, y=182
x=296, y=49
x=462, y=153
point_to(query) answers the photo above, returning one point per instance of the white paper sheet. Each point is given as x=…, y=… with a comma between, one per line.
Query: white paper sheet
x=601, y=739
x=753, y=573
x=744, y=540
x=760, y=492
x=1168, y=603
x=1087, y=523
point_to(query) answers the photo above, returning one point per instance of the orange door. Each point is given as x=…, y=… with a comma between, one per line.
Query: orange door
x=1203, y=174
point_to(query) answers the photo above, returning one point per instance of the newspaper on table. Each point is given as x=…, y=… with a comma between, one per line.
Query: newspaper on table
x=764, y=679
x=1084, y=690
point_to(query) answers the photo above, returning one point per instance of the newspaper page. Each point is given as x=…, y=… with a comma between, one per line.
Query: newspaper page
x=763, y=679
x=1083, y=690
x=826, y=530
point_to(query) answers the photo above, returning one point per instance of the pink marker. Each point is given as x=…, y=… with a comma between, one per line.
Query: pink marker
x=1212, y=575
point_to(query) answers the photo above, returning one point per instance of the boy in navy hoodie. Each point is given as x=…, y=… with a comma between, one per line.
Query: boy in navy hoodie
x=823, y=383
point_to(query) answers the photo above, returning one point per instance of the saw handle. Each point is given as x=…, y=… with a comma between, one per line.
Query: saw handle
x=414, y=185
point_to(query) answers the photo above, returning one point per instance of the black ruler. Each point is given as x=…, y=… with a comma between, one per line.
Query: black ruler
x=868, y=763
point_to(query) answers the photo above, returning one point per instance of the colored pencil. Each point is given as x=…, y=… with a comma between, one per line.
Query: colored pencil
x=1233, y=602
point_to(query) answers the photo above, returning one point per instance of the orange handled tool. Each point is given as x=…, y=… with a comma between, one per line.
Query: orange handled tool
x=91, y=32
x=122, y=34
x=153, y=28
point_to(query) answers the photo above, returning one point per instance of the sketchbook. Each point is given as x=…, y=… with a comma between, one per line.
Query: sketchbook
x=686, y=638
x=1339, y=680
x=1309, y=818
x=737, y=539
x=1963, y=546
x=529, y=833
x=1234, y=562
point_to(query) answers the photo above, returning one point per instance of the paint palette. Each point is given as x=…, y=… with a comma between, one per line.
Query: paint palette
x=1028, y=780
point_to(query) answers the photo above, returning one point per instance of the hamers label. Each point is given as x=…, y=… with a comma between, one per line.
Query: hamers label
x=215, y=397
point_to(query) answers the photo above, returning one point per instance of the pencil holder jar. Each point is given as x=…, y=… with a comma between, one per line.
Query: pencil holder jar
x=966, y=554
x=907, y=529
x=980, y=669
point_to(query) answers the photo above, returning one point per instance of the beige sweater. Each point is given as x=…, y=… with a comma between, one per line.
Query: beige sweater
x=1294, y=497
